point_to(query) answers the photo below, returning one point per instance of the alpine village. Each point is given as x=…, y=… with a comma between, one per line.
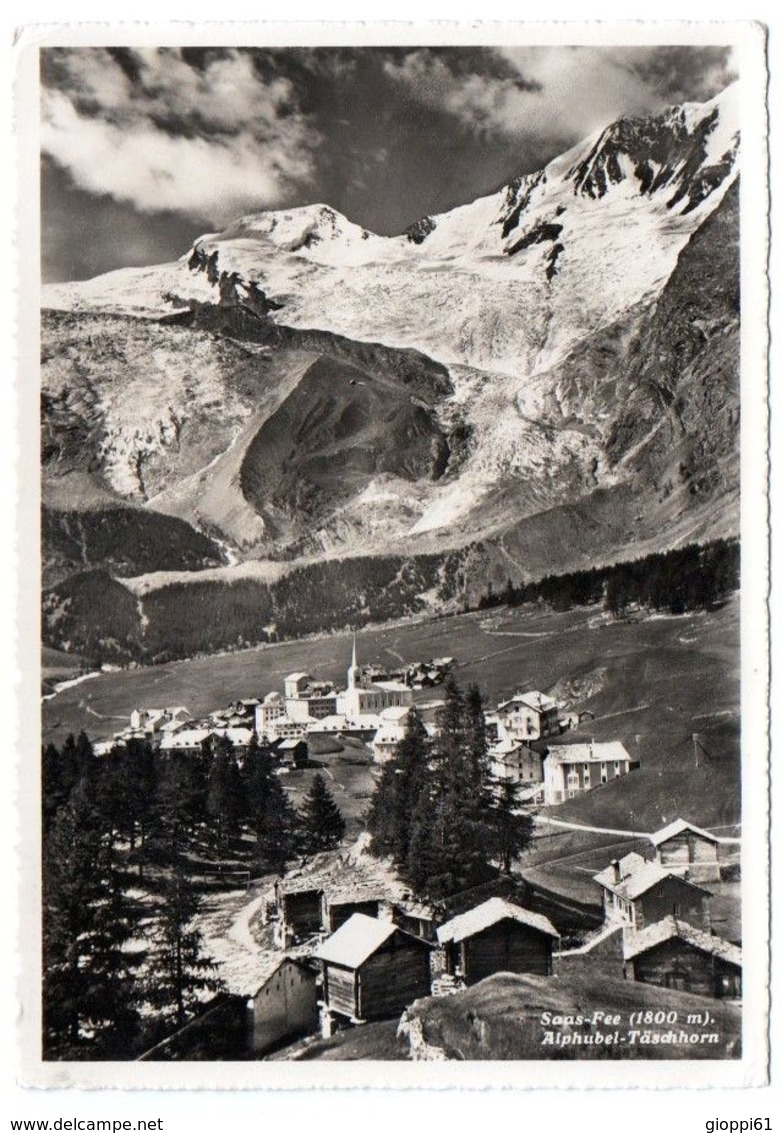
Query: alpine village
x=201, y=906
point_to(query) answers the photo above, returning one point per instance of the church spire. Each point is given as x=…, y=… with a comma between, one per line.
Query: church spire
x=354, y=673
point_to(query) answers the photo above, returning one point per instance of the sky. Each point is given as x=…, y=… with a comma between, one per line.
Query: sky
x=145, y=149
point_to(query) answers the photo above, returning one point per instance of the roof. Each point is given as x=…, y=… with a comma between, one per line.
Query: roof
x=611, y=751
x=356, y=940
x=504, y=747
x=273, y=698
x=534, y=699
x=637, y=876
x=395, y=712
x=676, y=827
x=669, y=929
x=297, y=677
x=491, y=912
x=299, y=962
x=391, y=686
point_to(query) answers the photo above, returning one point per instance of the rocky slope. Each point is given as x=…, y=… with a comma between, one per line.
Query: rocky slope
x=549, y=373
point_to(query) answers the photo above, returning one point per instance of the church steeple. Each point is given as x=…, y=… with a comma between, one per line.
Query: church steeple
x=354, y=673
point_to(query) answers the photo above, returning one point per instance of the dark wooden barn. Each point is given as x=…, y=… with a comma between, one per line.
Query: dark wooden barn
x=674, y=954
x=341, y=909
x=497, y=936
x=688, y=850
x=299, y=911
x=372, y=969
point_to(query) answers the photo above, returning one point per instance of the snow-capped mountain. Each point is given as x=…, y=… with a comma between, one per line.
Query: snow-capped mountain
x=537, y=306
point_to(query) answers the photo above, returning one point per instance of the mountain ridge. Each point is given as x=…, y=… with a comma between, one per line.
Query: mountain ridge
x=519, y=338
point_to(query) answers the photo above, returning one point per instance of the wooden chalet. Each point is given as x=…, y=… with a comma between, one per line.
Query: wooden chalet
x=299, y=907
x=372, y=969
x=285, y=1006
x=674, y=954
x=643, y=892
x=497, y=936
x=688, y=851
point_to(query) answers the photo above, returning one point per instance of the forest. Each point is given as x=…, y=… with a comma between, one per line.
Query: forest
x=132, y=841
x=676, y=582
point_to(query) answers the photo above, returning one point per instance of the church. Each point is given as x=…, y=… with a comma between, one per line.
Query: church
x=364, y=697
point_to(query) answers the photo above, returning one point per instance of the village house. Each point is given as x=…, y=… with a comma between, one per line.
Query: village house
x=497, y=936
x=296, y=912
x=285, y=1006
x=151, y=720
x=674, y=954
x=641, y=892
x=529, y=716
x=271, y=708
x=571, y=768
x=372, y=969
x=291, y=753
x=190, y=741
x=511, y=760
x=687, y=850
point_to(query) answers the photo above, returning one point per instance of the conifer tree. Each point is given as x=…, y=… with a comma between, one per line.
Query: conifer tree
x=224, y=798
x=182, y=972
x=323, y=826
x=512, y=831
x=402, y=780
x=267, y=808
x=90, y=987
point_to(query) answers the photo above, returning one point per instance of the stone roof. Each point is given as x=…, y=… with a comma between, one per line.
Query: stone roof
x=491, y=912
x=355, y=941
x=678, y=826
x=670, y=928
x=636, y=877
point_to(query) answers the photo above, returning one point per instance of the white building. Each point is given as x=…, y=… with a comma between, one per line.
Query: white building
x=570, y=769
x=151, y=720
x=530, y=716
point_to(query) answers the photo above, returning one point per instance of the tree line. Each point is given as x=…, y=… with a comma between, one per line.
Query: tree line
x=438, y=811
x=688, y=578
x=126, y=842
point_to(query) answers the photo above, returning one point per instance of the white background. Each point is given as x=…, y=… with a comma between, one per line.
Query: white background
x=559, y=1111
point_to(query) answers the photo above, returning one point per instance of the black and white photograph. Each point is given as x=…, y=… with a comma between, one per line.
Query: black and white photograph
x=402, y=584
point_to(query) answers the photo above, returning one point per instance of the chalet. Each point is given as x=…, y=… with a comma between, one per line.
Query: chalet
x=688, y=851
x=641, y=892
x=340, y=908
x=414, y=917
x=570, y=769
x=372, y=970
x=285, y=1006
x=530, y=716
x=672, y=953
x=291, y=753
x=497, y=936
x=299, y=907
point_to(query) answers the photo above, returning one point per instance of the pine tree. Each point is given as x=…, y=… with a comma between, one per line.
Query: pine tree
x=512, y=831
x=267, y=808
x=91, y=992
x=323, y=826
x=182, y=973
x=402, y=780
x=224, y=798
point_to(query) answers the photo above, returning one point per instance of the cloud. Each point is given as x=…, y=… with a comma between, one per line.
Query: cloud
x=159, y=132
x=561, y=93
